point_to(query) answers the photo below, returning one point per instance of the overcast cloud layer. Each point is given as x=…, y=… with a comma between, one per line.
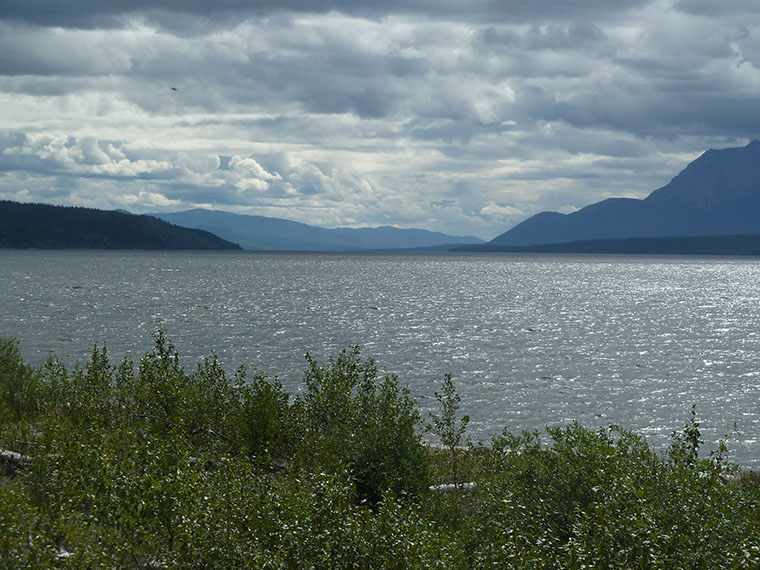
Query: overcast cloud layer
x=462, y=117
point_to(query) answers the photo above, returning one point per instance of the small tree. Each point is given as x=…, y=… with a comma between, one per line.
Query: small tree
x=446, y=426
x=684, y=446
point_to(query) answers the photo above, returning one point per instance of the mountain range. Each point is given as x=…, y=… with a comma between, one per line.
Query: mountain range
x=716, y=194
x=712, y=206
x=263, y=233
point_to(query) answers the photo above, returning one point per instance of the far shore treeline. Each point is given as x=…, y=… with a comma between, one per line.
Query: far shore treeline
x=42, y=226
x=748, y=245
x=150, y=465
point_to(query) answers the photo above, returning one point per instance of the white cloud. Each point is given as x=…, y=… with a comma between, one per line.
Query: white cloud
x=147, y=200
x=252, y=184
x=501, y=211
x=20, y=196
x=82, y=156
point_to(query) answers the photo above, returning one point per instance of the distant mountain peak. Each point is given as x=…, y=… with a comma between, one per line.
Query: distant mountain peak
x=716, y=194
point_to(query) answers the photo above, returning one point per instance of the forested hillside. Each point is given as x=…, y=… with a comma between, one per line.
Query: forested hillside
x=44, y=226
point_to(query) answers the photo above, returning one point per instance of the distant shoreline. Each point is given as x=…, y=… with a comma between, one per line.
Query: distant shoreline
x=733, y=245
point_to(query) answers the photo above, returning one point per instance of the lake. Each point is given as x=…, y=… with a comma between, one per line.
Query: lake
x=529, y=340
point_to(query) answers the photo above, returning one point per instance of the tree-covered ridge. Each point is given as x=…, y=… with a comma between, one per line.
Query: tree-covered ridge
x=148, y=465
x=44, y=226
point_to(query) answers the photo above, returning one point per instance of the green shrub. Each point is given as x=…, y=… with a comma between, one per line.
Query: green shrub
x=604, y=499
x=23, y=544
x=354, y=419
x=265, y=426
x=21, y=392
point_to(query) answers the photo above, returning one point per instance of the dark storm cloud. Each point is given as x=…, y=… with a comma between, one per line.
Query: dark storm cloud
x=714, y=9
x=173, y=13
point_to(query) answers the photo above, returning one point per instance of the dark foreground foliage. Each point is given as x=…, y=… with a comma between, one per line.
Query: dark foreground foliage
x=150, y=466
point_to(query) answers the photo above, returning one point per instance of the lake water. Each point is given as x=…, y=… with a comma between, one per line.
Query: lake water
x=530, y=340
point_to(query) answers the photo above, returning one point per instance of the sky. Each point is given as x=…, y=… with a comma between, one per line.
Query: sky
x=464, y=117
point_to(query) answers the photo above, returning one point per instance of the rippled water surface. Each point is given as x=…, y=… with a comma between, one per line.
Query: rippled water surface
x=529, y=340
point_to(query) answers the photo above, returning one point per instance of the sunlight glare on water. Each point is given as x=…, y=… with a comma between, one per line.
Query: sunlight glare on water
x=530, y=340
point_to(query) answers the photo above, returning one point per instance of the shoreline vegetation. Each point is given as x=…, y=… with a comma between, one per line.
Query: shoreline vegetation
x=148, y=465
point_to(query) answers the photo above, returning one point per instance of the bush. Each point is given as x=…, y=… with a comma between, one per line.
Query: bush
x=264, y=423
x=21, y=392
x=604, y=499
x=350, y=418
